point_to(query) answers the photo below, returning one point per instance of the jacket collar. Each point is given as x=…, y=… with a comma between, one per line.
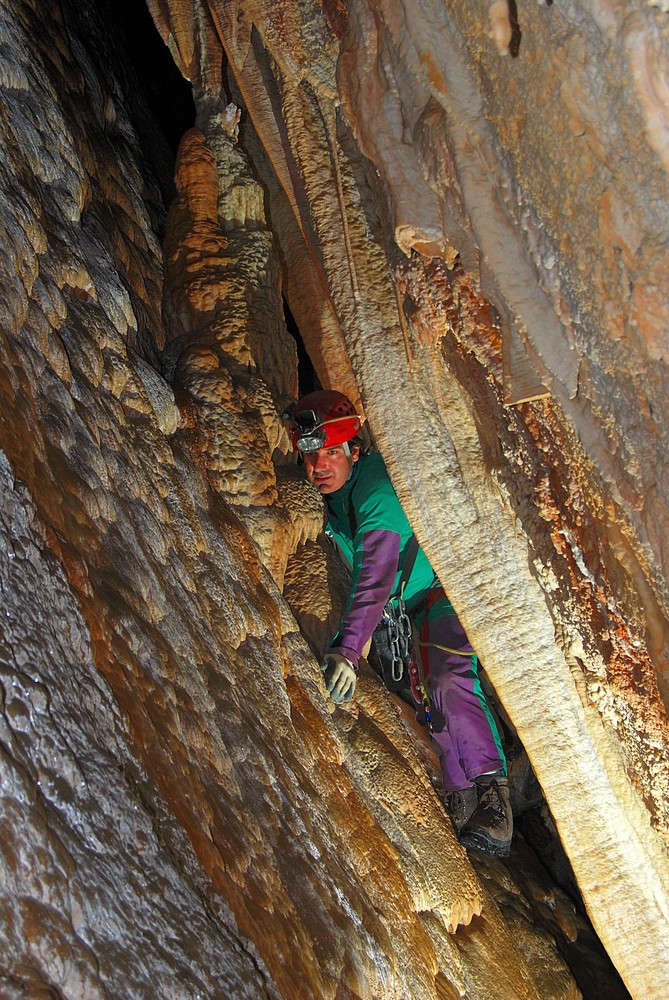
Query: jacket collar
x=344, y=491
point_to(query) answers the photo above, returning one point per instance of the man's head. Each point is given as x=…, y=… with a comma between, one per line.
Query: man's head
x=329, y=468
x=321, y=425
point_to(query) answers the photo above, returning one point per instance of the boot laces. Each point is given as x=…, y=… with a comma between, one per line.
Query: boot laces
x=455, y=800
x=461, y=804
x=491, y=800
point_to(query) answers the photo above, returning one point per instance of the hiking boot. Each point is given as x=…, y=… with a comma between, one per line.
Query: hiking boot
x=490, y=826
x=460, y=805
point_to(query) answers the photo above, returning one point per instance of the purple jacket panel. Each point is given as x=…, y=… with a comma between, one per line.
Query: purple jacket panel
x=380, y=555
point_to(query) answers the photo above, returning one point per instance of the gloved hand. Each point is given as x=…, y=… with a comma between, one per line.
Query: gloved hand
x=340, y=676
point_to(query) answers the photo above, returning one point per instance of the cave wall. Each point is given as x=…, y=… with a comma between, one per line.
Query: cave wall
x=184, y=812
x=484, y=187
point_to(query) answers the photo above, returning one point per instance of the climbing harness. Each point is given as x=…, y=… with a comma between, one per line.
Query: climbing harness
x=419, y=689
x=393, y=635
x=434, y=595
x=401, y=650
x=446, y=649
x=400, y=661
x=419, y=670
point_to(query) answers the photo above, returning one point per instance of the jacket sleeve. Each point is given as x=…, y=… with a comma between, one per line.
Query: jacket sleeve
x=375, y=560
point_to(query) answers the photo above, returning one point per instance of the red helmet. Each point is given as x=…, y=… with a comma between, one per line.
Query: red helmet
x=322, y=419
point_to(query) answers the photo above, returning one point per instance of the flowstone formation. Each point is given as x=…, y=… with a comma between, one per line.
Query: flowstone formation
x=184, y=813
x=496, y=258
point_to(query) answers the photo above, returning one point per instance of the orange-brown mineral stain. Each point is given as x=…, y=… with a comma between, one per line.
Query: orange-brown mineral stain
x=435, y=76
x=336, y=15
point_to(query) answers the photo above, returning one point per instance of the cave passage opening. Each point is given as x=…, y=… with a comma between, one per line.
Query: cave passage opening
x=307, y=380
x=168, y=94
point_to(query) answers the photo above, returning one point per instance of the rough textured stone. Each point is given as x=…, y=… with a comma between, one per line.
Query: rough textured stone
x=544, y=522
x=184, y=812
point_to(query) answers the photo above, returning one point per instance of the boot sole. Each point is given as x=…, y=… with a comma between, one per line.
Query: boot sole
x=487, y=845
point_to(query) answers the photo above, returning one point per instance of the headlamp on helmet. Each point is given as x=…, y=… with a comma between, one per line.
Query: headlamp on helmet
x=311, y=435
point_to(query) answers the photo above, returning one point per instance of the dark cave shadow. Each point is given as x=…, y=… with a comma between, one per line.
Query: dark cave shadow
x=516, y=33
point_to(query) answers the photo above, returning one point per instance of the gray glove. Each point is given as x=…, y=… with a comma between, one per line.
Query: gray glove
x=340, y=677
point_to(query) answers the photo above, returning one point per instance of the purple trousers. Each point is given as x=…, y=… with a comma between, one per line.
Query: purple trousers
x=464, y=731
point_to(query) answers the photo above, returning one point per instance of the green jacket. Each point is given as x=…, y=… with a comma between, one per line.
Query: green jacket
x=366, y=520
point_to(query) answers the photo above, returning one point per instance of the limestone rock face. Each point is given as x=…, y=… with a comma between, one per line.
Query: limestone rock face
x=473, y=243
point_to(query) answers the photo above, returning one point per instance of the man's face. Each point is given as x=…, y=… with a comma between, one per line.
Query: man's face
x=328, y=468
